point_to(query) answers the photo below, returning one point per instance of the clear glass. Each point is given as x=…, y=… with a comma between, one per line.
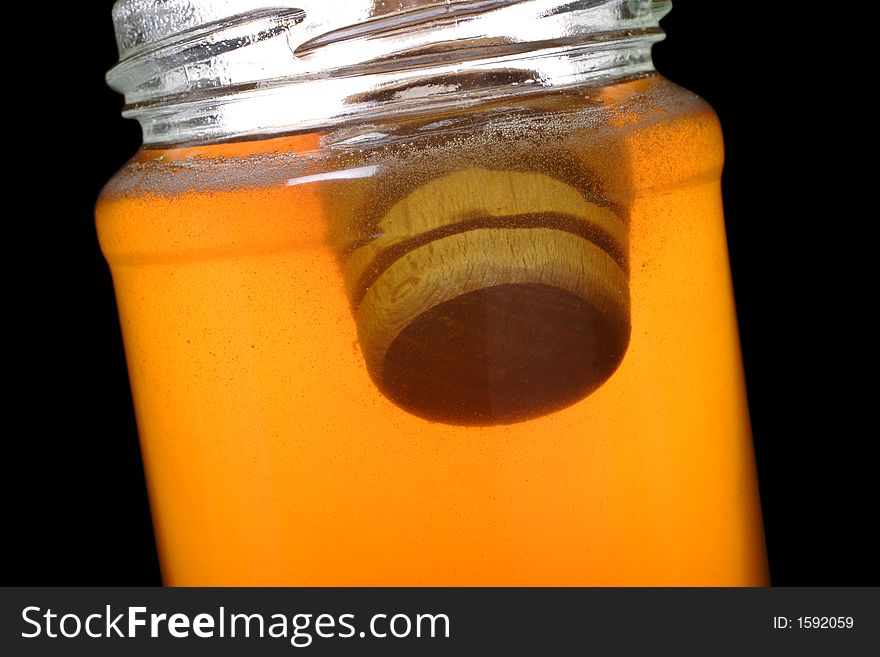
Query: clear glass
x=486, y=343
x=197, y=71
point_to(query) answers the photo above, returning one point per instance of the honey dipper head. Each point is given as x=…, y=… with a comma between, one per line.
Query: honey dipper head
x=491, y=297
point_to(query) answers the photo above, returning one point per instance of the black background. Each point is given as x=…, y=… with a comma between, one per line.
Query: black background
x=76, y=500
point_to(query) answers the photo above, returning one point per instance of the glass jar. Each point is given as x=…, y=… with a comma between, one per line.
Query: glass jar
x=428, y=293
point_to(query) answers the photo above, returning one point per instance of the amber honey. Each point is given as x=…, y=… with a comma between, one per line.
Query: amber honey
x=577, y=417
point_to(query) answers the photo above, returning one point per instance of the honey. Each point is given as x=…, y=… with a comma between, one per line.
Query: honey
x=501, y=351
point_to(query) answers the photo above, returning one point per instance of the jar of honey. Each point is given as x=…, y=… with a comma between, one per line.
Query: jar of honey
x=427, y=292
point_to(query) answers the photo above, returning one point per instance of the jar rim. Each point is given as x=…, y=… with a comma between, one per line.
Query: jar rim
x=196, y=70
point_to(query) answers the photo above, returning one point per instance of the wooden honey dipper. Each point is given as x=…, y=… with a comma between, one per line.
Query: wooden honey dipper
x=486, y=296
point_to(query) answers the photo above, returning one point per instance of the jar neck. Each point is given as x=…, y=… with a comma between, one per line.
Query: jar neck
x=195, y=71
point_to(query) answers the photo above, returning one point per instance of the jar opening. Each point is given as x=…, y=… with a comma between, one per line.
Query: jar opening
x=199, y=70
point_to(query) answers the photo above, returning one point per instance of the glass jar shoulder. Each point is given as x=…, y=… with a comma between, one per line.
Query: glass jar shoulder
x=580, y=118
x=609, y=144
x=210, y=201
x=672, y=138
